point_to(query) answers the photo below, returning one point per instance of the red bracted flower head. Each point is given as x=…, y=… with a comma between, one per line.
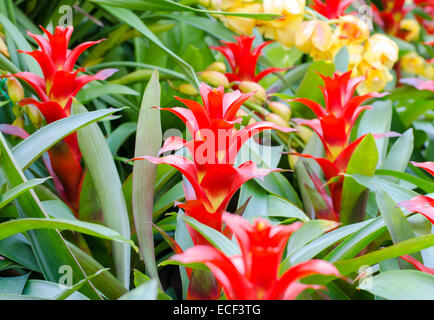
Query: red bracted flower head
x=60, y=82
x=243, y=59
x=332, y=9
x=254, y=274
x=211, y=174
x=335, y=122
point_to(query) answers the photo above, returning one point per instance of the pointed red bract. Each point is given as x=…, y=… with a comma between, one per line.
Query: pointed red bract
x=254, y=274
x=243, y=59
x=428, y=166
x=332, y=9
x=420, y=204
x=418, y=265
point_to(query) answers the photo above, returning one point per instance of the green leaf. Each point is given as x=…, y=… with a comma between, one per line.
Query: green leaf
x=146, y=291
x=398, y=226
x=15, y=192
x=310, y=231
x=309, y=87
x=217, y=239
x=48, y=290
x=400, y=153
x=30, y=149
x=401, y=285
x=402, y=248
x=12, y=227
x=117, y=138
x=377, y=120
x=96, y=91
x=425, y=185
x=17, y=248
x=48, y=245
x=13, y=285
x=148, y=142
x=68, y=291
x=280, y=207
x=134, y=21
x=167, y=5
x=101, y=167
x=355, y=196
x=342, y=59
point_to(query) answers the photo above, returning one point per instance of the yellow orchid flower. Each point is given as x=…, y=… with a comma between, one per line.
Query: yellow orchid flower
x=284, y=29
x=413, y=63
x=242, y=26
x=380, y=51
x=316, y=38
x=410, y=28
x=376, y=77
x=351, y=30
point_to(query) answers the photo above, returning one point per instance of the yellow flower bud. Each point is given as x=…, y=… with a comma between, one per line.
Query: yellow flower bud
x=15, y=90
x=272, y=117
x=429, y=71
x=34, y=115
x=304, y=132
x=17, y=110
x=380, y=51
x=250, y=86
x=18, y=122
x=413, y=63
x=188, y=89
x=214, y=78
x=217, y=66
x=240, y=25
x=292, y=159
x=411, y=28
x=280, y=109
x=351, y=30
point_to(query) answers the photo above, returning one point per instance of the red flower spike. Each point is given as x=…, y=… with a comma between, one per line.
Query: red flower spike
x=332, y=9
x=59, y=84
x=419, y=266
x=254, y=274
x=336, y=120
x=243, y=59
x=428, y=166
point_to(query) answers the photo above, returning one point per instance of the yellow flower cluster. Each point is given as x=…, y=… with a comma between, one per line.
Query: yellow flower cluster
x=372, y=57
x=415, y=64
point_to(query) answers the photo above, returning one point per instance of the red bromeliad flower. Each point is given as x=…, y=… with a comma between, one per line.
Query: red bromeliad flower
x=59, y=84
x=390, y=17
x=332, y=9
x=333, y=126
x=254, y=274
x=243, y=60
x=421, y=204
x=212, y=176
